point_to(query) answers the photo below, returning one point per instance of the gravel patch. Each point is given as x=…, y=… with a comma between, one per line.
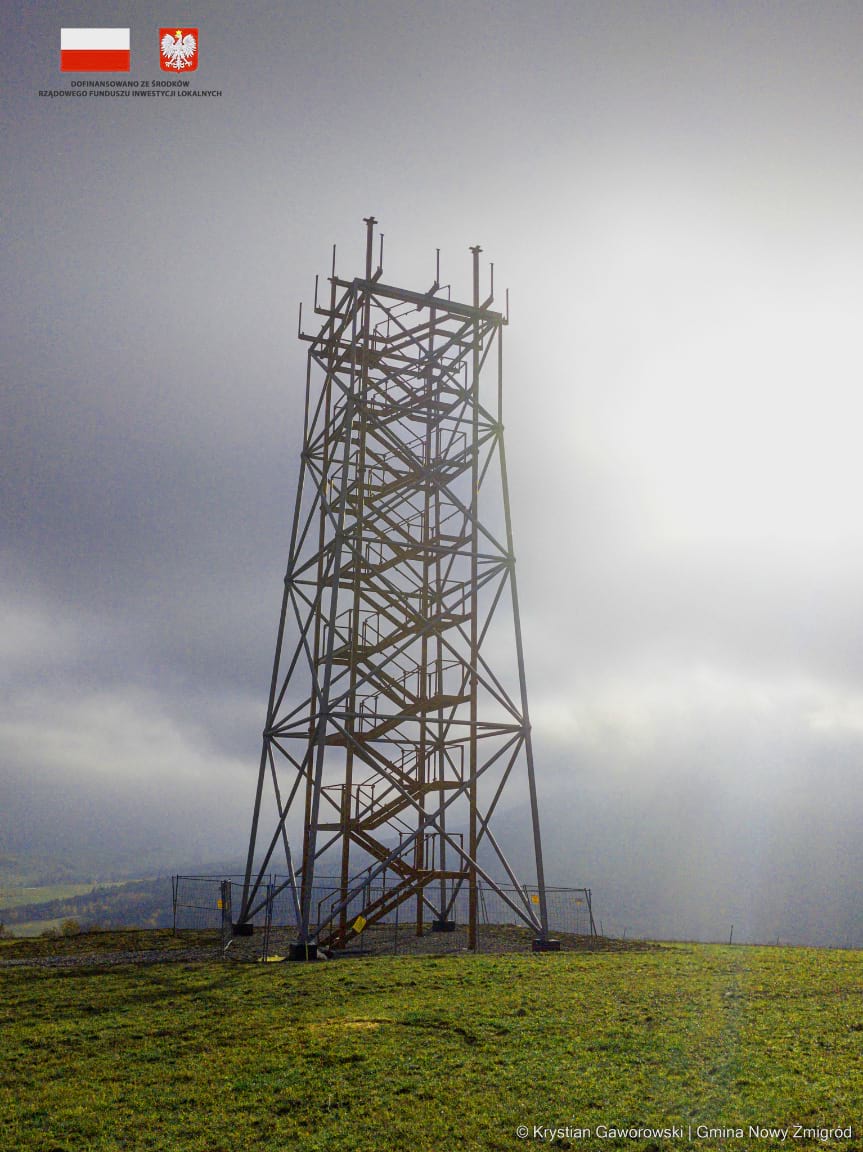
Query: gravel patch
x=114, y=959
x=379, y=940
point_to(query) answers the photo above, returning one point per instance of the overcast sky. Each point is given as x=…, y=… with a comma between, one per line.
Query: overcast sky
x=672, y=193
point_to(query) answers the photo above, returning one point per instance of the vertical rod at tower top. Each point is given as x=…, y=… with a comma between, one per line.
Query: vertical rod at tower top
x=369, y=222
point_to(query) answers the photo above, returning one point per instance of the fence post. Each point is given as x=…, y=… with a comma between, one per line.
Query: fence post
x=175, y=883
x=227, y=920
x=396, y=933
x=367, y=898
x=268, y=922
x=590, y=912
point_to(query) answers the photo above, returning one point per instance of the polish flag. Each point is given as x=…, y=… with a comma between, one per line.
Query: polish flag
x=94, y=50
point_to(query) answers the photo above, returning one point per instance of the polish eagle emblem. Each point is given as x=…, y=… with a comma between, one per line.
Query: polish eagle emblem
x=178, y=50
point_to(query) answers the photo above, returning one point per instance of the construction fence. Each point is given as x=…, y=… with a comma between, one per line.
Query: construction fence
x=210, y=902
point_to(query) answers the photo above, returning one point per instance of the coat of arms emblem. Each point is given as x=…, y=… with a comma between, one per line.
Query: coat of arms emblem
x=178, y=49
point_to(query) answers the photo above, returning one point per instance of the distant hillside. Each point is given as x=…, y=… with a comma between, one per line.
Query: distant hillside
x=138, y=904
x=35, y=870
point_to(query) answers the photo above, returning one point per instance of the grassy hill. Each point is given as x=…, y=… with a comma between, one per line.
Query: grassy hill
x=434, y=1054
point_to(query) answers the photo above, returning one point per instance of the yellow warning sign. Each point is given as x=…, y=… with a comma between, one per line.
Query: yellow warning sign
x=359, y=924
x=534, y=898
x=218, y=903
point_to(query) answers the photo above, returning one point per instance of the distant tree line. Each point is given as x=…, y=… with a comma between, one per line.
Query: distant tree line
x=137, y=904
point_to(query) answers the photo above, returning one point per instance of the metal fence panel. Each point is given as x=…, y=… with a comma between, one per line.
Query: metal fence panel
x=202, y=902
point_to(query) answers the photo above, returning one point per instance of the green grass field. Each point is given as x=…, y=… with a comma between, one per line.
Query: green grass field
x=433, y=1054
x=14, y=897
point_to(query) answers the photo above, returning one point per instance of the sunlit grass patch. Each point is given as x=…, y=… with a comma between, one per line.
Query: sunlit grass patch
x=411, y=1054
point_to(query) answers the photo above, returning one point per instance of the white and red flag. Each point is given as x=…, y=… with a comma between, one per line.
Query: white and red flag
x=95, y=50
